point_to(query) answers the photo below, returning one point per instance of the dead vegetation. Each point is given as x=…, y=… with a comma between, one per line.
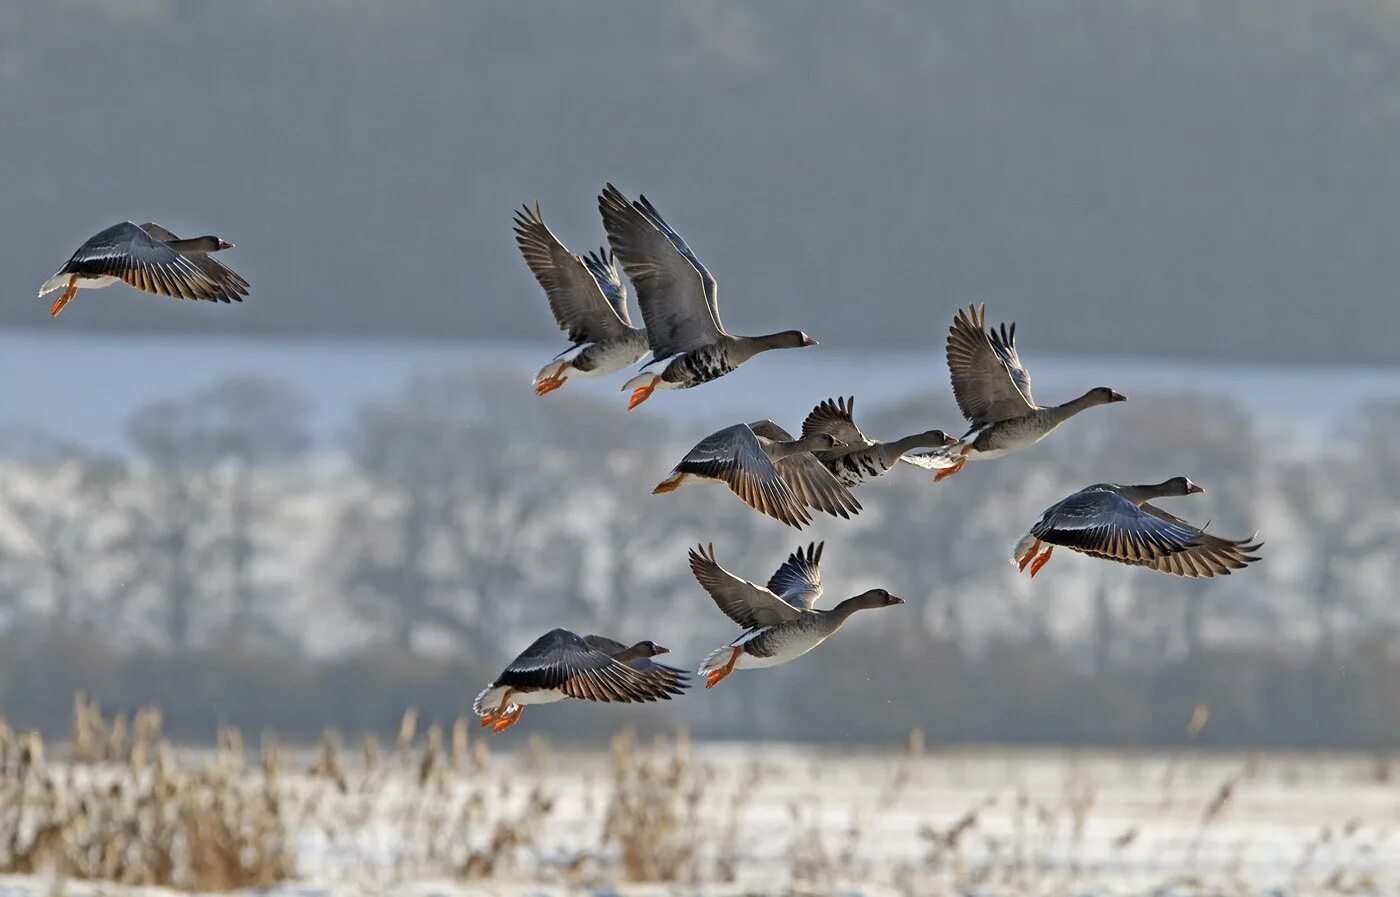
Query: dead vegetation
x=118, y=803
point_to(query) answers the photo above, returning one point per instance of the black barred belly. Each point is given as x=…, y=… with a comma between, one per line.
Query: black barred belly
x=699, y=366
x=856, y=468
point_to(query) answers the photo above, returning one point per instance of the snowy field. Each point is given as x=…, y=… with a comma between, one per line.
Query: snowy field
x=676, y=818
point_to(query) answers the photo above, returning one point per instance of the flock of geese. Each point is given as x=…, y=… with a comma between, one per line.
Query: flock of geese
x=775, y=473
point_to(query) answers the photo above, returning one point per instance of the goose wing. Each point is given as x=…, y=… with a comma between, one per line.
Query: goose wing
x=644, y=206
x=981, y=368
x=562, y=660
x=736, y=457
x=671, y=290
x=577, y=297
x=603, y=266
x=235, y=287
x=1212, y=555
x=807, y=477
x=1099, y=522
x=128, y=253
x=749, y=605
x=799, y=580
x=673, y=680
x=834, y=418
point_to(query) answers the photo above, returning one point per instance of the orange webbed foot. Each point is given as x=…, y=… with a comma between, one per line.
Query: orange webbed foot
x=1041, y=561
x=549, y=384
x=949, y=471
x=642, y=393
x=1028, y=556
x=68, y=293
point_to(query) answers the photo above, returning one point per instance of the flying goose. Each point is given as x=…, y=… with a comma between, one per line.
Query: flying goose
x=149, y=258
x=1118, y=523
x=589, y=302
x=772, y=472
x=679, y=302
x=779, y=621
x=858, y=457
x=993, y=392
x=561, y=664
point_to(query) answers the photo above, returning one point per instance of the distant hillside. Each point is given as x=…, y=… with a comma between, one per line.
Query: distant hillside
x=1197, y=180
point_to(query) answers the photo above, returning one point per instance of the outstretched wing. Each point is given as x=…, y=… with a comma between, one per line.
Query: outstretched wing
x=816, y=486
x=644, y=206
x=799, y=580
x=1100, y=522
x=1003, y=339
x=577, y=298
x=749, y=605
x=735, y=457
x=671, y=291
x=603, y=267
x=983, y=383
x=562, y=660
x=672, y=680
x=807, y=477
x=235, y=287
x=834, y=418
x=1211, y=556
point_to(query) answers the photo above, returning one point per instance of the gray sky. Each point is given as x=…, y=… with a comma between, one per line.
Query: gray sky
x=1188, y=179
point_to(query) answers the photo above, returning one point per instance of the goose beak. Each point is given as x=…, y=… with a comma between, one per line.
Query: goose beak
x=895, y=599
x=950, y=440
x=808, y=341
x=1193, y=489
x=661, y=649
x=225, y=244
x=1117, y=397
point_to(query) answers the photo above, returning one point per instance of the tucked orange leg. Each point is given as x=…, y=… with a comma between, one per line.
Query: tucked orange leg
x=68, y=293
x=549, y=385
x=508, y=720
x=492, y=716
x=642, y=393
x=1029, y=555
x=718, y=676
x=1042, y=560
x=949, y=471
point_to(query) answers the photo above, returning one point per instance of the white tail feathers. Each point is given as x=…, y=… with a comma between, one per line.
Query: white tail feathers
x=641, y=380
x=548, y=372
x=53, y=283
x=1022, y=546
x=488, y=700
x=715, y=660
x=935, y=459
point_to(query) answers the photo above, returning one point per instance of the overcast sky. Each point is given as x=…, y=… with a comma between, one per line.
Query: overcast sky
x=1195, y=179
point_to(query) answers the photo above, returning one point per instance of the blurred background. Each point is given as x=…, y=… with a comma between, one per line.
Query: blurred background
x=341, y=498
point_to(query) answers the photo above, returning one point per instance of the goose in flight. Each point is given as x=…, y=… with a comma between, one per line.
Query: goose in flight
x=772, y=472
x=679, y=301
x=149, y=258
x=859, y=458
x=779, y=620
x=589, y=302
x=993, y=392
x=1119, y=523
x=561, y=664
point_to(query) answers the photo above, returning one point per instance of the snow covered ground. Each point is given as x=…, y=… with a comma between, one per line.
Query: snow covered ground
x=757, y=819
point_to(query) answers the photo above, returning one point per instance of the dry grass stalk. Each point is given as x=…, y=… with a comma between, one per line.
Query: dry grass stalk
x=408, y=728
x=653, y=818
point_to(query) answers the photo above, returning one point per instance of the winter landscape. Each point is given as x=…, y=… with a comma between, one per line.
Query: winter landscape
x=258, y=557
